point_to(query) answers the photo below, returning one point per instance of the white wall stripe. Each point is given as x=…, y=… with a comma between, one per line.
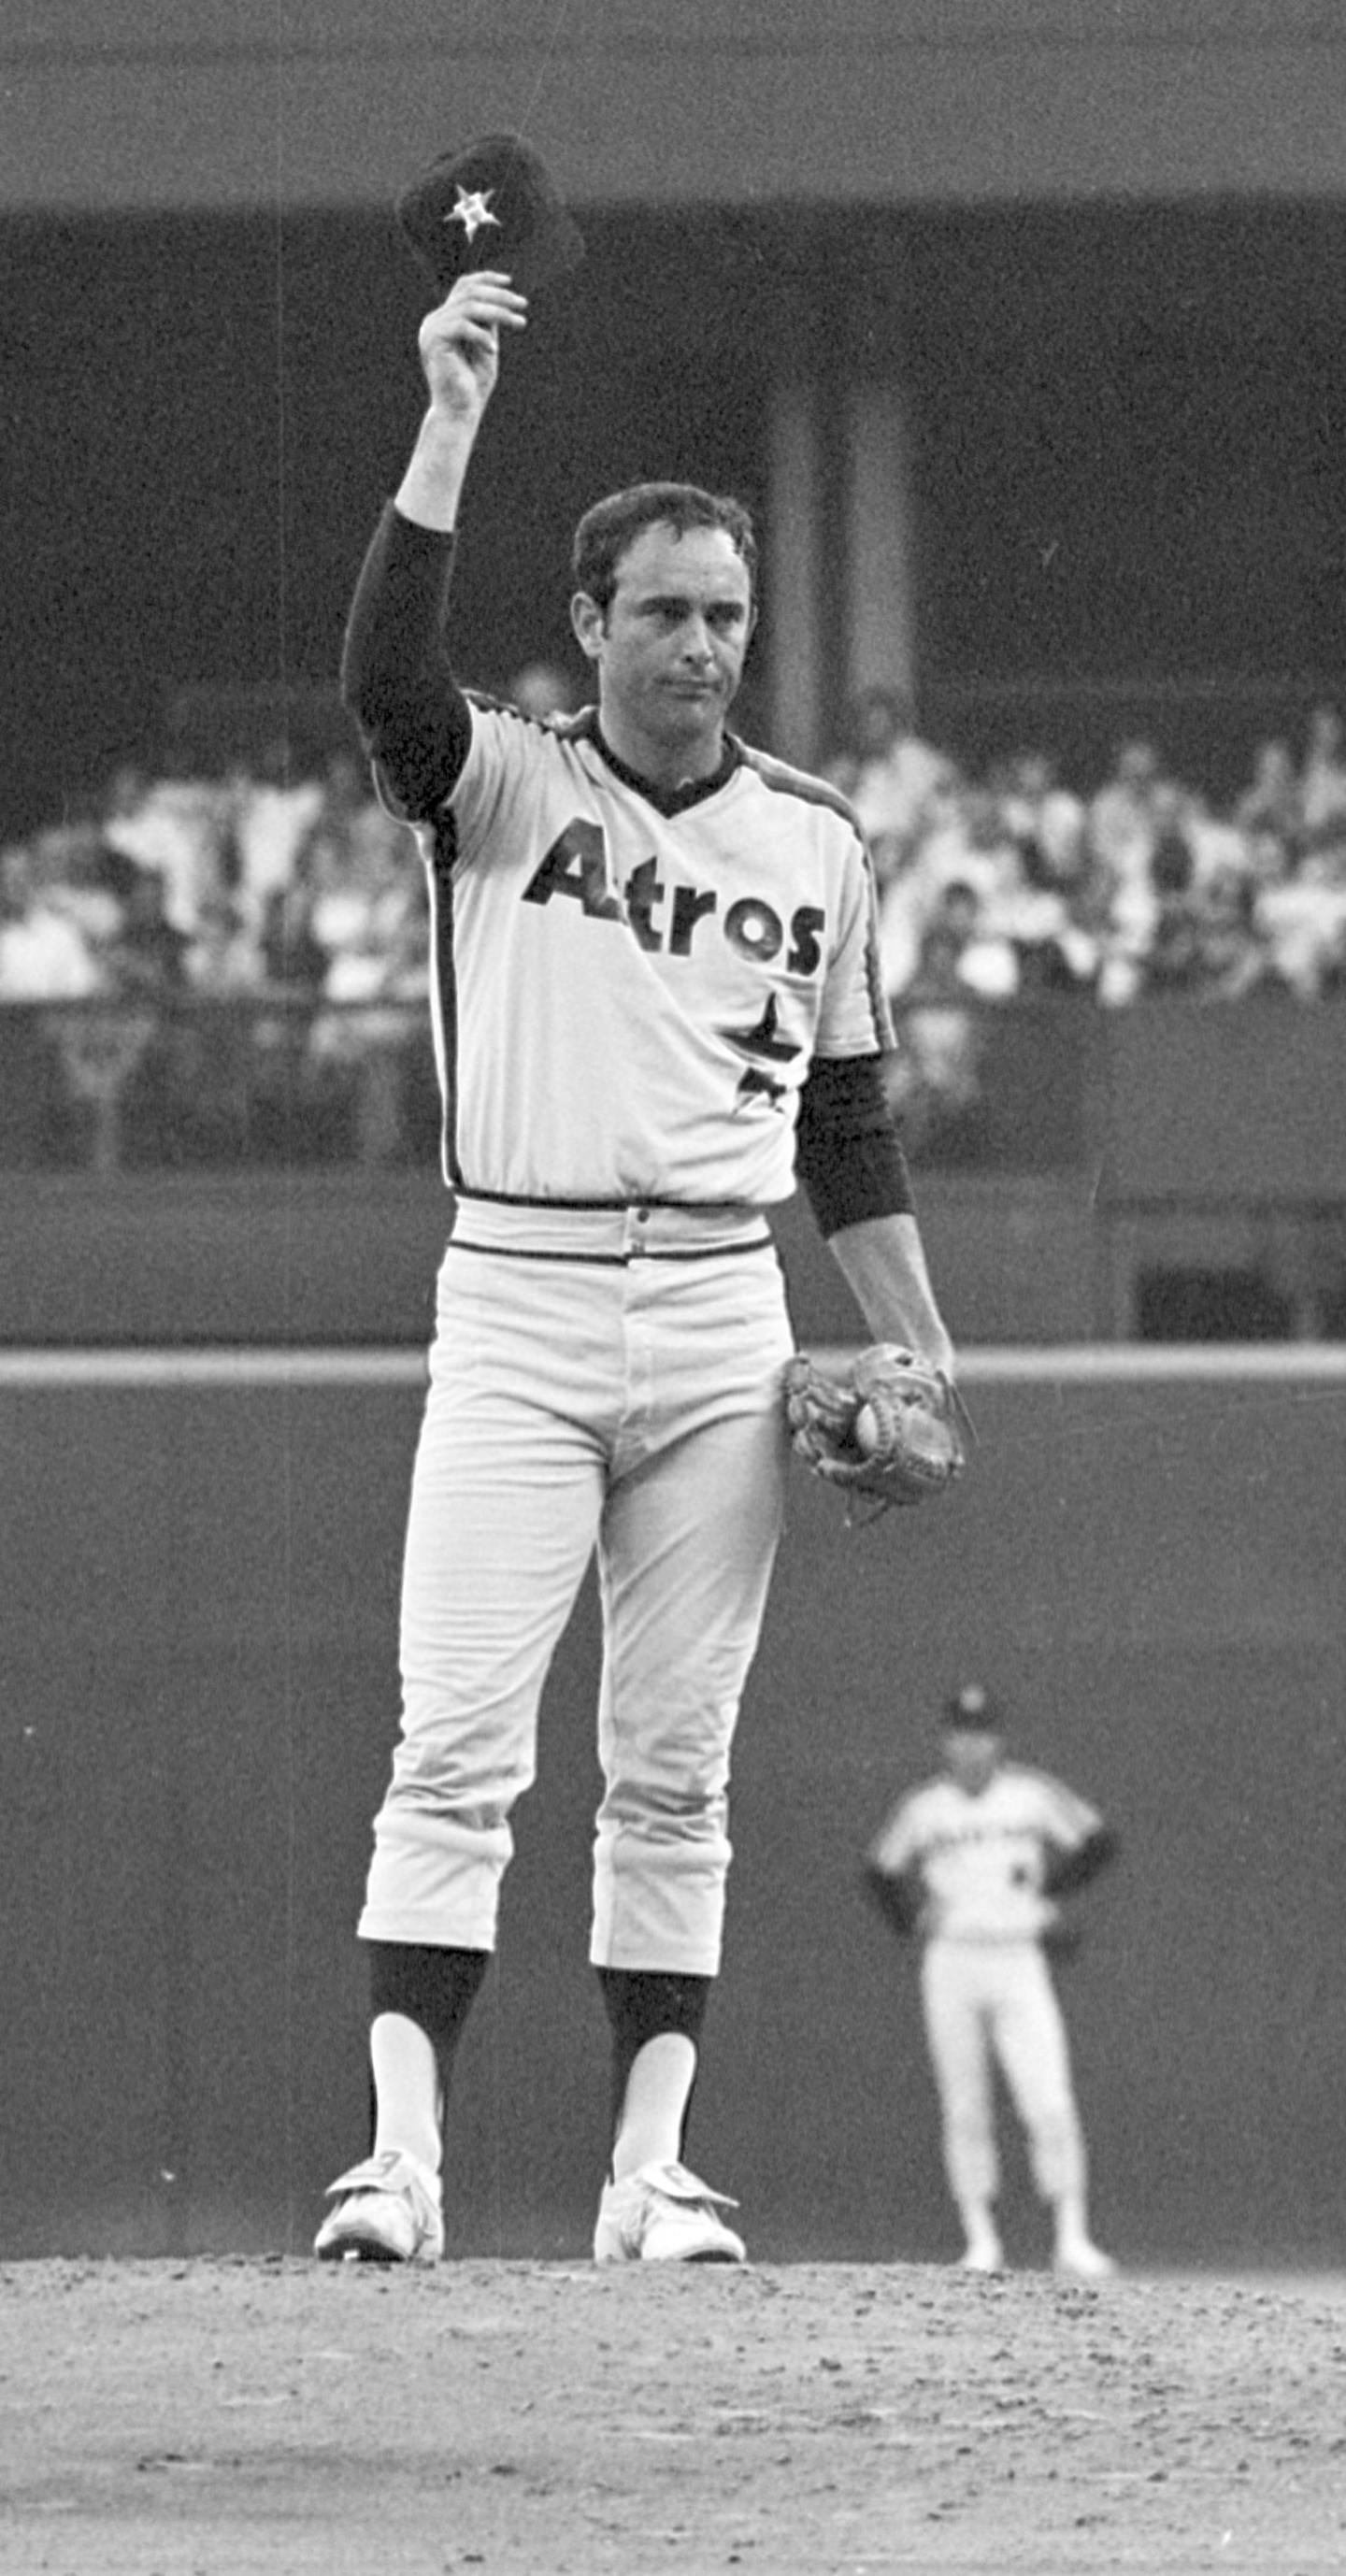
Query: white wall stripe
x=1080, y=1364
x=232, y=1369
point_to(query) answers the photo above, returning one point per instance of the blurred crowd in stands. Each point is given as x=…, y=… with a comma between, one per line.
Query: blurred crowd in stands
x=1017, y=884
x=296, y=897
x=178, y=886
x=285, y=904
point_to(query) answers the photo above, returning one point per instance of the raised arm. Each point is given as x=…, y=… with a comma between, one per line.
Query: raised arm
x=460, y=353
x=396, y=673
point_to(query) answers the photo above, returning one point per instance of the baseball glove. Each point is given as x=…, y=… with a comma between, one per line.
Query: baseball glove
x=887, y=1432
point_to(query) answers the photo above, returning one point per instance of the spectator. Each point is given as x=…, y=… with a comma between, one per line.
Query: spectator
x=1169, y=960
x=57, y=945
x=1214, y=839
x=368, y=907
x=1270, y=806
x=1322, y=785
x=980, y=959
x=1270, y=858
x=539, y=689
x=1136, y=895
x=1301, y=923
x=1046, y=821
x=1232, y=957
x=293, y=956
x=45, y=956
x=1121, y=820
x=371, y=920
x=149, y=955
x=1045, y=921
x=265, y=817
x=969, y=846
x=223, y=959
x=77, y=874
x=172, y=824
x=1052, y=915
x=894, y=779
x=1054, y=952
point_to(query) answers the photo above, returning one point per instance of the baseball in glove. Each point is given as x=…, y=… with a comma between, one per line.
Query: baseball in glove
x=887, y=1432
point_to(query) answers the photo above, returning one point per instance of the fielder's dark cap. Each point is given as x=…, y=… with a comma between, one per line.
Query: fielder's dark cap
x=494, y=205
x=974, y=1708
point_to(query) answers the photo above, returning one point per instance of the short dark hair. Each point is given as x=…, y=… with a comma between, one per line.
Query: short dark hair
x=605, y=531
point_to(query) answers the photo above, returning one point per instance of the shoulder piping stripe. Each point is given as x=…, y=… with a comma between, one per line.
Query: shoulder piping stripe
x=782, y=780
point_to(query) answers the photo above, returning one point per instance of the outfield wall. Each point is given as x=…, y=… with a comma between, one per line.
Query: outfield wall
x=349, y=1256
x=197, y=1703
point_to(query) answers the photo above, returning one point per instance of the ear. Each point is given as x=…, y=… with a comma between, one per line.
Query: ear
x=589, y=623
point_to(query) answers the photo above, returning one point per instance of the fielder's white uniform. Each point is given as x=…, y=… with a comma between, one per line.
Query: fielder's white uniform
x=986, y=1989
x=629, y=993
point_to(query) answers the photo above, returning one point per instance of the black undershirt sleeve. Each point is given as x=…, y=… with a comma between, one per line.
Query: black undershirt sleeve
x=848, y=1154
x=396, y=677
x=898, y=1895
x=1068, y=1870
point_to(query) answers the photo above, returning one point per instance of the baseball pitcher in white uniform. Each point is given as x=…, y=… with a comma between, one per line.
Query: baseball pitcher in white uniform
x=657, y=1005
x=975, y=1863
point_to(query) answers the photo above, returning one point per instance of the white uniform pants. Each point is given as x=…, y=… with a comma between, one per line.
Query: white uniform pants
x=632, y=1405
x=986, y=2001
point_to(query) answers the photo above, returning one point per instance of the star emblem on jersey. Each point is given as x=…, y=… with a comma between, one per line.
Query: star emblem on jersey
x=472, y=208
x=764, y=1045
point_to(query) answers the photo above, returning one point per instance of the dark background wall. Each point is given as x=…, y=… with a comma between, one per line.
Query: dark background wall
x=1128, y=486
x=197, y=1702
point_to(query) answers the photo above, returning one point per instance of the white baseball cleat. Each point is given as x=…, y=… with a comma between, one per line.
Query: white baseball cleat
x=1083, y=2262
x=983, y=2256
x=386, y=2211
x=662, y=2214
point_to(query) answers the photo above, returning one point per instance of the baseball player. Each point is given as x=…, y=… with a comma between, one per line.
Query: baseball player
x=976, y=1862
x=656, y=1001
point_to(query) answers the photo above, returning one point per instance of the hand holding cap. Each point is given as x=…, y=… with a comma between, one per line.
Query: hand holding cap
x=494, y=205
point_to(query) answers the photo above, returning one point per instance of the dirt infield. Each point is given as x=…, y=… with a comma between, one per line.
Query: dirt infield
x=264, y=2417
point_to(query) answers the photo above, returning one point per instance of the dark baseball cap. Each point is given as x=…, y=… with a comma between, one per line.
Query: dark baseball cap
x=492, y=205
x=973, y=1707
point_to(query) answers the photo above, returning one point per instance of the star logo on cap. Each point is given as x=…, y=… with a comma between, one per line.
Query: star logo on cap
x=472, y=209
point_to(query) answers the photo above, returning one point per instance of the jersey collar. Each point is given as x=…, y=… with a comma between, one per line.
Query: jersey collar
x=665, y=800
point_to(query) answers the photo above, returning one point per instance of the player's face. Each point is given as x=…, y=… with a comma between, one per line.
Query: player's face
x=972, y=1757
x=669, y=649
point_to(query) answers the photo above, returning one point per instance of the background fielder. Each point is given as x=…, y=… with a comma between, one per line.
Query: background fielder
x=976, y=1862
x=656, y=997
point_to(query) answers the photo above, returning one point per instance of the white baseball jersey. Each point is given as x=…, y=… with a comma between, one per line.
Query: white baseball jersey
x=981, y=1858
x=626, y=1000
